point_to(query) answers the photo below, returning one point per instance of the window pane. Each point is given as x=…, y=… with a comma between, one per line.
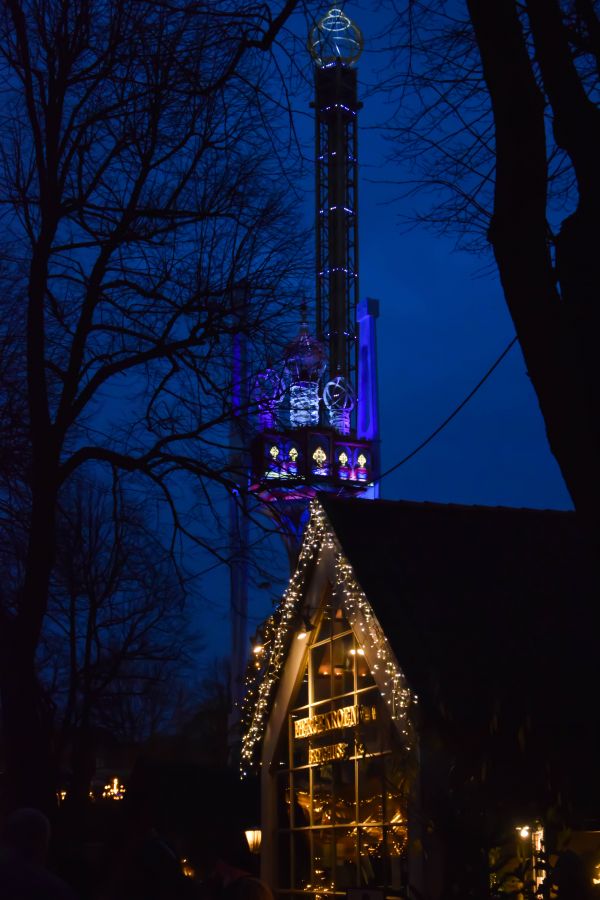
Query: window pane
x=323, y=795
x=370, y=789
x=299, y=744
x=325, y=624
x=302, y=696
x=343, y=789
x=301, y=876
x=346, y=852
x=373, y=732
x=301, y=810
x=396, y=846
x=343, y=665
x=340, y=623
x=321, y=672
x=283, y=800
x=371, y=856
x=363, y=673
x=396, y=789
x=323, y=849
x=397, y=839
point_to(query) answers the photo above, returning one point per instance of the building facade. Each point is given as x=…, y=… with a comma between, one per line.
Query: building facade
x=403, y=737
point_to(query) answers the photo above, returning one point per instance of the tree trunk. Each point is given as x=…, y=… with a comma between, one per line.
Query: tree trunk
x=27, y=726
x=552, y=328
x=31, y=774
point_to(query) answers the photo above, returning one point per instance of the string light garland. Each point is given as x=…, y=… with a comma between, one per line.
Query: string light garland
x=266, y=668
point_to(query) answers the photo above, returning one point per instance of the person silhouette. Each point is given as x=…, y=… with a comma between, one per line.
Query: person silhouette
x=24, y=842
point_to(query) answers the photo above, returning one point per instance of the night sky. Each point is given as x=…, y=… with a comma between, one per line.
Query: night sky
x=443, y=322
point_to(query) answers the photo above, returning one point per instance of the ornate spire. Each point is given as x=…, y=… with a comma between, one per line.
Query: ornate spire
x=304, y=362
x=335, y=38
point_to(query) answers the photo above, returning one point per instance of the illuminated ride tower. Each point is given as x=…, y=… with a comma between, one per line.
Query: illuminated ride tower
x=318, y=417
x=317, y=426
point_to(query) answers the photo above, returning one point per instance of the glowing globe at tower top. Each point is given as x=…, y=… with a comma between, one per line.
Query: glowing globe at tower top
x=335, y=38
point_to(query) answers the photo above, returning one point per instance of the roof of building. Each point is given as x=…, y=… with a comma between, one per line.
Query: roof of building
x=489, y=612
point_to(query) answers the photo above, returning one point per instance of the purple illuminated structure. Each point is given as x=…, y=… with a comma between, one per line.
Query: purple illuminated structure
x=313, y=433
x=329, y=439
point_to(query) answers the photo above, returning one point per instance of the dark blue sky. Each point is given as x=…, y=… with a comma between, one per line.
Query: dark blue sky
x=442, y=324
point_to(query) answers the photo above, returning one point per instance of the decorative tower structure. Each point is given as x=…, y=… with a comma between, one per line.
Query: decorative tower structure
x=335, y=43
x=318, y=425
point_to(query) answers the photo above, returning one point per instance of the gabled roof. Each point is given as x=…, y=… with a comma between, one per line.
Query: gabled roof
x=489, y=612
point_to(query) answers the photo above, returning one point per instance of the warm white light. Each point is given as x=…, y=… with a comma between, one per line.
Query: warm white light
x=259, y=688
x=254, y=837
x=523, y=831
x=114, y=790
x=258, y=648
x=187, y=869
x=319, y=456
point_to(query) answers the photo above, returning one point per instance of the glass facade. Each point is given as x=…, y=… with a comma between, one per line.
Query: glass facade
x=342, y=786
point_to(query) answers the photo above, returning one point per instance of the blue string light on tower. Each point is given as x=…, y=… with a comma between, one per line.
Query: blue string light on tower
x=318, y=420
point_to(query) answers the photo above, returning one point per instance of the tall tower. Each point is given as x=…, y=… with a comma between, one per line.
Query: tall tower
x=318, y=424
x=335, y=43
x=317, y=418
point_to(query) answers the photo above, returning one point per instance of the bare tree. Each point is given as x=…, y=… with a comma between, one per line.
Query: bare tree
x=117, y=640
x=139, y=192
x=499, y=116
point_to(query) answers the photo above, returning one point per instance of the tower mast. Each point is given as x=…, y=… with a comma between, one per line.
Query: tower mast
x=324, y=445
x=335, y=43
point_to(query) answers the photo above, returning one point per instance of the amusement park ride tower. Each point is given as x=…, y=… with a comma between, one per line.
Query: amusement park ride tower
x=330, y=441
x=318, y=424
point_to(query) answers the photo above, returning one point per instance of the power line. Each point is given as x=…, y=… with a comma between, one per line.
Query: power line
x=454, y=413
x=405, y=459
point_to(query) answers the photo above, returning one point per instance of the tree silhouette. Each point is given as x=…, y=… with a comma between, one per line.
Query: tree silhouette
x=140, y=193
x=498, y=113
x=117, y=642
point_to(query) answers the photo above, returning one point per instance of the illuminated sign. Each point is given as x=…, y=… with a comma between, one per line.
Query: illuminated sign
x=319, y=755
x=347, y=717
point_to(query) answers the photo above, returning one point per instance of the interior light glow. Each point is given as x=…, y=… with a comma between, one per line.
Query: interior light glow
x=260, y=685
x=254, y=838
x=187, y=869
